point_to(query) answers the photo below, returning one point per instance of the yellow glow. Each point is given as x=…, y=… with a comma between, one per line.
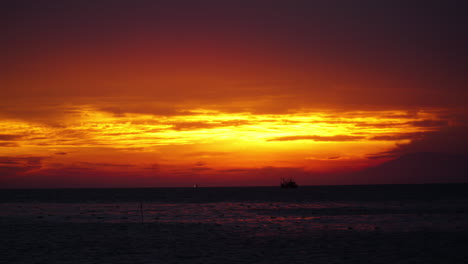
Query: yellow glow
x=247, y=140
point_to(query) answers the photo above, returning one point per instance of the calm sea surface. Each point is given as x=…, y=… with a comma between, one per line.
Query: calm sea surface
x=265, y=209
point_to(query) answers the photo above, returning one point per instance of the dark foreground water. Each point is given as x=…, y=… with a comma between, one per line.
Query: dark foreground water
x=319, y=224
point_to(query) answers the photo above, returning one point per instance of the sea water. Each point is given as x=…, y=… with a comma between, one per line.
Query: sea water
x=265, y=209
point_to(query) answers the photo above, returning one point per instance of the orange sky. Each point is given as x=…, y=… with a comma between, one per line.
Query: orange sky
x=151, y=93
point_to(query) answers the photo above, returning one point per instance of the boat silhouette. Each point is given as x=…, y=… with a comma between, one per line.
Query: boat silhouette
x=288, y=183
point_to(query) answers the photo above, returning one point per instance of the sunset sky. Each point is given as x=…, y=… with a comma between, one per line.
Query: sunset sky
x=226, y=93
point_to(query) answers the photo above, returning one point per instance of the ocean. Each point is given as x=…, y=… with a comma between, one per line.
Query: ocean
x=360, y=207
x=303, y=194
x=392, y=214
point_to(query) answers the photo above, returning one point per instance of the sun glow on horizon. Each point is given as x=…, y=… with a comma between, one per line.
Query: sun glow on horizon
x=207, y=142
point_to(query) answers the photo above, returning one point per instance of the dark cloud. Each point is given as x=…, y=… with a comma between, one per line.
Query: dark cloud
x=399, y=136
x=450, y=139
x=44, y=111
x=24, y=160
x=429, y=123
x=200, y=169
x=207, y=153
x=144, y=107
x=7, y=137
x=318, y=138
x=11, y=171
x=123, y=134
x=417, y=167
x=236, y=170
x=8, y=144
x=379, y=125
x=205, y=125
x=103, y=165
x=8, y=161
x=154, y=167
x=8, y=140
x=16, y=166
x=383, y=155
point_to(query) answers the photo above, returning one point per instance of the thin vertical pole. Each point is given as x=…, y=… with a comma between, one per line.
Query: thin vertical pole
x=141, y=211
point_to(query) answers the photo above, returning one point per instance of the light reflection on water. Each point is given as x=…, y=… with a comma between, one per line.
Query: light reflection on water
x=263, y=218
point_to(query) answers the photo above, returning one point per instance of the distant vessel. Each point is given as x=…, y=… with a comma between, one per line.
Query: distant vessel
x=195, y=186
x=288, y=183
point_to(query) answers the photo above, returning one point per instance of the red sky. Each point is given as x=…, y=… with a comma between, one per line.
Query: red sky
x=220, y=93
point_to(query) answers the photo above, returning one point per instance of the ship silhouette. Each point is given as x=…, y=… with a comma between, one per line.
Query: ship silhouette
x=288, y=183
